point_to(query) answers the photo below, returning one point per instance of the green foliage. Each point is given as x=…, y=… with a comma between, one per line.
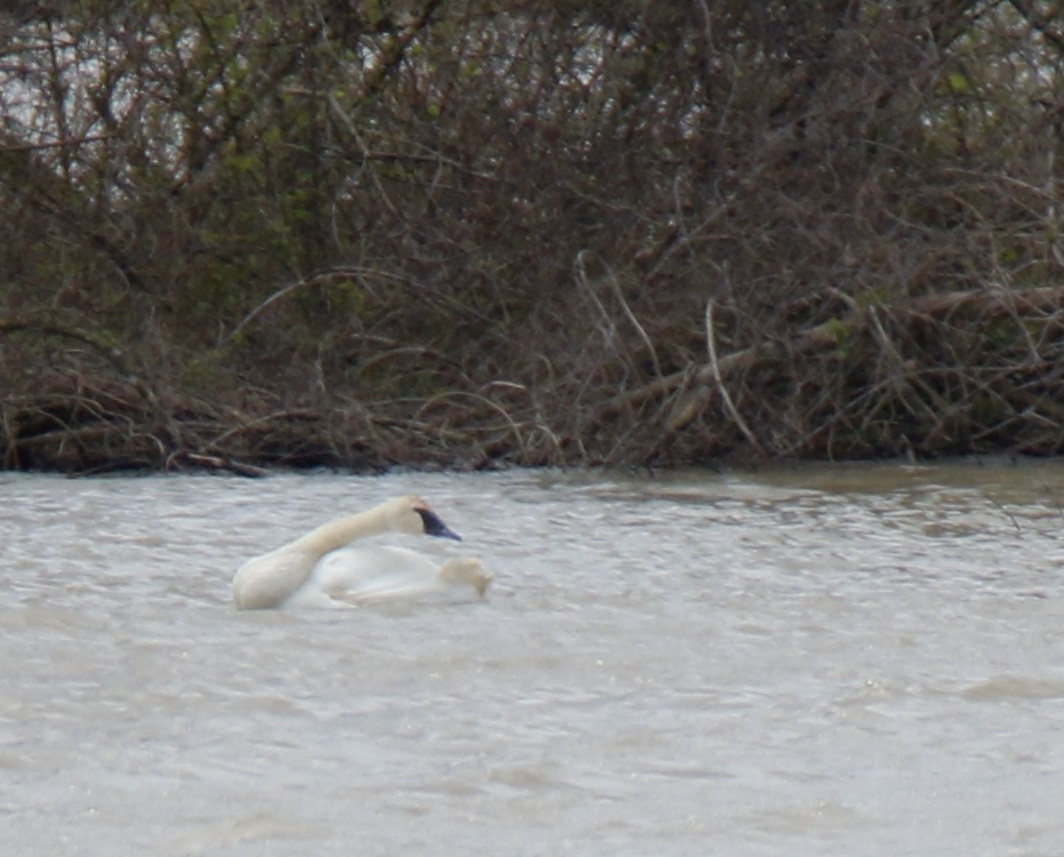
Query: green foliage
x=205, y=375
x=839, y=332
x=347, y=298
x=1002, y=332
x=873, y=298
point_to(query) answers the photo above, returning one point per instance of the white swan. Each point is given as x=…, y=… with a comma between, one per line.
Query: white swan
x=301, y=574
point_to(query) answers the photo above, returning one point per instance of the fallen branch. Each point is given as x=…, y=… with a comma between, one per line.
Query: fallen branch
x=707, y=378
x=177, y=460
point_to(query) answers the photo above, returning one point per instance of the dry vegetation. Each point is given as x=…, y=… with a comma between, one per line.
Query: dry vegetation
x=472, y=233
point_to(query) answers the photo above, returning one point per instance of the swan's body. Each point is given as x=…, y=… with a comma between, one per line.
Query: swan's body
x=306, y=572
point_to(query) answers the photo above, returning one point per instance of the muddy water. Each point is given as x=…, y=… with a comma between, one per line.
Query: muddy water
x=850, y=661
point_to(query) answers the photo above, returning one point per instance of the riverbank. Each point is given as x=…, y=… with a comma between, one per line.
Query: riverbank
x=948, y=375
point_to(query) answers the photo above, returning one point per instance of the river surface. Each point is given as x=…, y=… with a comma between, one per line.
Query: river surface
x=820, y=661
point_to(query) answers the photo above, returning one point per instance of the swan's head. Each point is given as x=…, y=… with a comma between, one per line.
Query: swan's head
x=411, y=514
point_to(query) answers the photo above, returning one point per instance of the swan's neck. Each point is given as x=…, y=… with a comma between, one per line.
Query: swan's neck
x=336, y=534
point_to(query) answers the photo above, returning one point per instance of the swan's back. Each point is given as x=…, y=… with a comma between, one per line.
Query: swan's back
x=269, y=580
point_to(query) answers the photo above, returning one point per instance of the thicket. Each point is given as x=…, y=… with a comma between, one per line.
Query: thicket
x=474, y=232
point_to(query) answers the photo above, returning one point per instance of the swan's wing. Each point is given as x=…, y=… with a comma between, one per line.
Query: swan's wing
x=353, y=567
x=457, y=579
x=373, y=574
x=369, y=573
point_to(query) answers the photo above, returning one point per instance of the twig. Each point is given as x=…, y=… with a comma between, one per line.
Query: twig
x=280, y=293
x=56, y=144
x=512, y=423
x=616, y=288
x=315, y=279
x=729, y=405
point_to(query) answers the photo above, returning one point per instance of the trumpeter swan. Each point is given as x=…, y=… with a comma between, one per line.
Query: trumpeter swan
x=307, y=572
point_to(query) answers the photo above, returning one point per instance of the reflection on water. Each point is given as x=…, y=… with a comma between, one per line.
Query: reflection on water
x=840, y=660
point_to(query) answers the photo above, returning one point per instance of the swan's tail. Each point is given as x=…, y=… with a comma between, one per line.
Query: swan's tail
x=466, y=570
